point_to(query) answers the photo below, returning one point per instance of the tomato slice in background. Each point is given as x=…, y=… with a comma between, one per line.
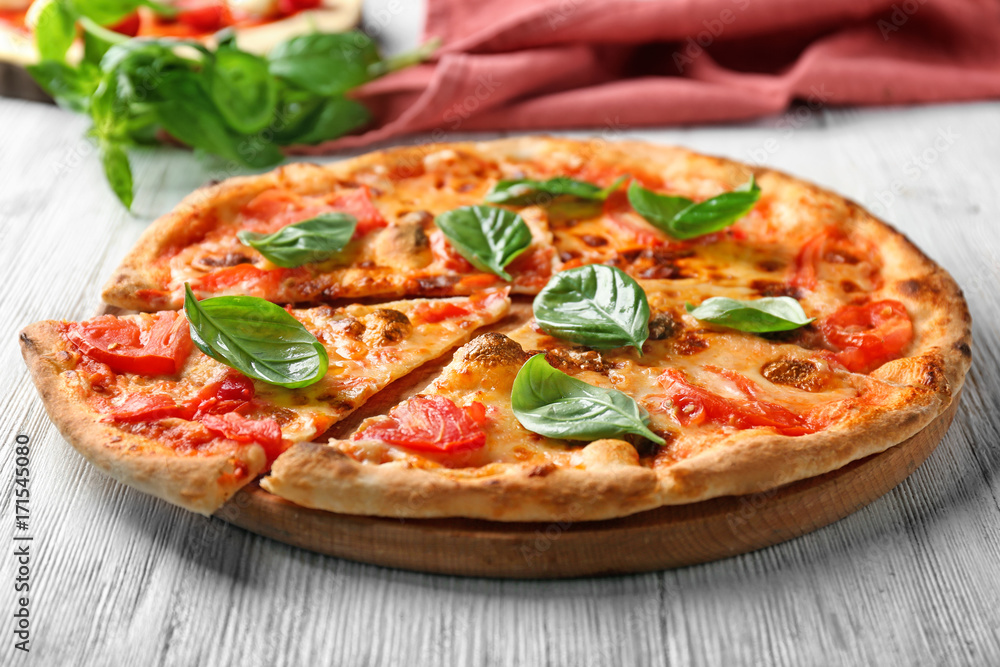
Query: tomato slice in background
x=694, y=406
x=868, y=335
x=126, y=347
x=287, y=7
x=430, y=424
x=233, y=425
x=203, y=15
x=127, y=26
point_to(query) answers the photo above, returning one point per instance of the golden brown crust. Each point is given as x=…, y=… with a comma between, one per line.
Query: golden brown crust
x=197, y=482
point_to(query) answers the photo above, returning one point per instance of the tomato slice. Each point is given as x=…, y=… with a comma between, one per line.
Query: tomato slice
x=447, y=256
x=232, y=425
x=242, y=274
x=127, y=26
x=431, y=424
x=869, y=335
x=127, y=347
x=694, y=406
x=286, y=7
x=359, y=204
x=226, y=395
x=830, y=246
x=203, y=15
x=148, y=407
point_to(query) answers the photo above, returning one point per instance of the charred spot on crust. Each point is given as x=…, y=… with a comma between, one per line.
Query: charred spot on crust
x=962, y=347
x=775, y=288
x=351, y=327
x=849, y=286
x=576, y=359
x=690, y=343
x=651, y=263
x=542, y=470
x=493, y=349
x=26, y=340
x=798, y=373
x=663, y=325
x=436, y=284
x=770, y=265
x=212, y=262
x=385, y=325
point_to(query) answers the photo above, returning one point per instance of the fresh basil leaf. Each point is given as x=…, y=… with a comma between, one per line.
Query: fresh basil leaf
x=781, y=313
x=106, y=12
x=55, y=29
x=489, y=237
x=71, y=87
x=595, y=305
x=551, y=403
x=187, y=113
x=313, y=240
x=97, y=40
x=683, y=219
x=256, y=337
x=524, y=191
x=335, y=117
x=325, y=63
x=243, y=89
x=117, y=170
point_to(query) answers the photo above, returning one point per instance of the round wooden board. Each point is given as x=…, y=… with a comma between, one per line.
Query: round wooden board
x=654, y=540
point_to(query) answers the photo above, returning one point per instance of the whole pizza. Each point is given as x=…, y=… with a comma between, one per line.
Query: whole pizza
x=512, y=330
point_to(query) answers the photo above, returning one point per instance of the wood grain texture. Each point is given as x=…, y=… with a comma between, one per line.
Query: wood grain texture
x=120, y=578
x=654, y=540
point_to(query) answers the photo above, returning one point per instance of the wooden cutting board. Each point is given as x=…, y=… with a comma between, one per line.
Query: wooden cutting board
x=654, y=540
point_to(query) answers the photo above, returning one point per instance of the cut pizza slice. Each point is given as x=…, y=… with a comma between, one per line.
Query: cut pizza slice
x=396, y=248
x=713, y=413
x=135, y=396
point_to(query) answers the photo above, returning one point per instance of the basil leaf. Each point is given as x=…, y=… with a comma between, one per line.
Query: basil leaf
x=106, y=12
x=551, y=403
x=333, y=117
x=527, y=191
x=781, y=313
x=242, y=88
x=312, y=240
x=256, y=337
x=489, y=237
x=55, y=29
x=97, y=40
x=72, y=88
x=683, y=219
x=325, y=64
x=117, y=170
x=595, y=305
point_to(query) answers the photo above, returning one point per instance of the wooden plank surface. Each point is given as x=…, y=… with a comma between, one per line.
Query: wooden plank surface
x=120, y=578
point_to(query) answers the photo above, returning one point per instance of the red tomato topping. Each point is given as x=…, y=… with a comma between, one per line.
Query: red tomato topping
x=286, y=7
x=618, y=211
x=226, y=395
x=359, y=204
x=235, y=426
x=431, y=424
x=693, y=406
x=248, y=274
x=447, y=256
x=831, y=246
x=436, y=311
x=159, y=349
x=128, y=25
x=868, y=336
x=203, y=15
x=147, y=407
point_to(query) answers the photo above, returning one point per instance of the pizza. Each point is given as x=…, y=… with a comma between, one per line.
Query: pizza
x=659, y=328
x=140, y=401
x=259, y=24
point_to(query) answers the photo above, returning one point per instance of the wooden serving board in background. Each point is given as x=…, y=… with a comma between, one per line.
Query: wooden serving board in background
x=654, y=540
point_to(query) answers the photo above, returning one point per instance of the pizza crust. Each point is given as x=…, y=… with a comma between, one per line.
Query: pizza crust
x=199, y=483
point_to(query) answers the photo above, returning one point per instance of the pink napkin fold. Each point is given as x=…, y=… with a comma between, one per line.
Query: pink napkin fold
x=547, y=64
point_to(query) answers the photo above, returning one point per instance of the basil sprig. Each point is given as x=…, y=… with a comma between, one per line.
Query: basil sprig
x=224, y=101
x=780, y=313
x=313, y=240
x=683, y=219
x=256, y=337
x=489, y=237
x=523, y=191
x=551, y=403
x=595, y=305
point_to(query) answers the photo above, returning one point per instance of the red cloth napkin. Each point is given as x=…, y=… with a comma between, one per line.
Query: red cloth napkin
x=610, y=64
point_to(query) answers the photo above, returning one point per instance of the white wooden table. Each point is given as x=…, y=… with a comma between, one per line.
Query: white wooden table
x=120, y=578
